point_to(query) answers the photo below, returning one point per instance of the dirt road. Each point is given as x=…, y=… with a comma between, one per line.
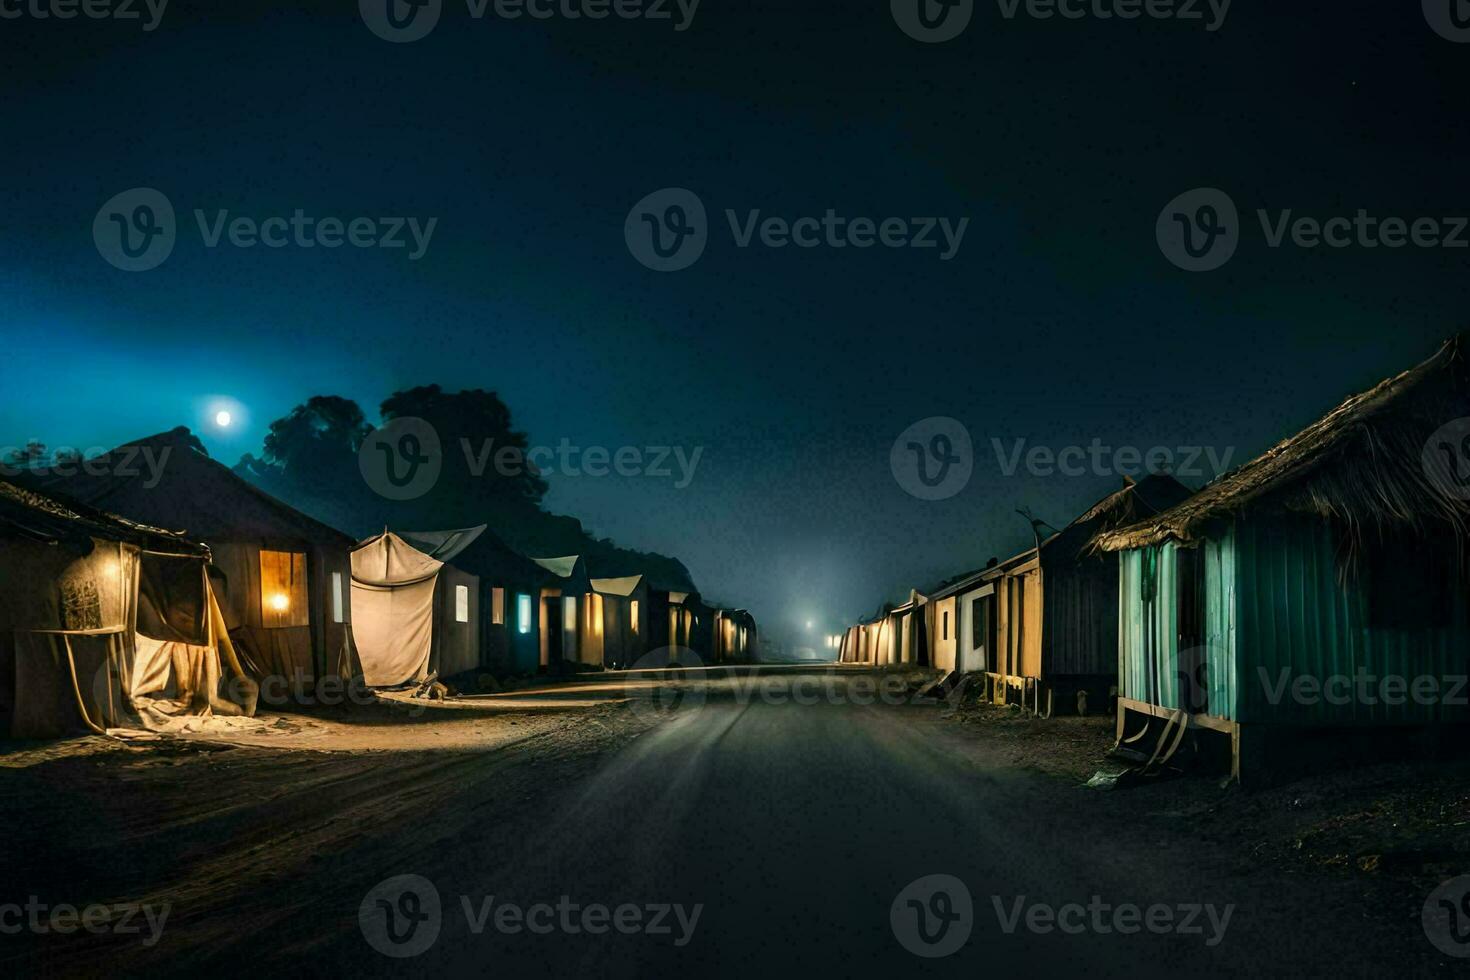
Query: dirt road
x=761, y=827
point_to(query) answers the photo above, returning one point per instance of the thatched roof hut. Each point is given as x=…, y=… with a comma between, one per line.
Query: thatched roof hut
x=1372, y=463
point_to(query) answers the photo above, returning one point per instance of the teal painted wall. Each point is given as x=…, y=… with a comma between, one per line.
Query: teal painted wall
x=1296, y=619
x=1149, y=663
x=1275, y=613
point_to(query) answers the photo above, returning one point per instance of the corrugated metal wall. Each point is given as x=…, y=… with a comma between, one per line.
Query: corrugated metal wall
x=1295, y=617
x=1080, y=632
x=1150, y=668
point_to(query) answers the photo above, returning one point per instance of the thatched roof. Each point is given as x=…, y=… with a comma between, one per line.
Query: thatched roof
x=1368, y=464
x=43, y=518
x=193, y=493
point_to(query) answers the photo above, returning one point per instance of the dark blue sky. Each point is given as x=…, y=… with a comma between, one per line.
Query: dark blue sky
x=1059, y=321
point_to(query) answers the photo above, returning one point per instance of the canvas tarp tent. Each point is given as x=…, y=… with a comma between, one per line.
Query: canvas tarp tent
x=281, y=578
x=105, y=623
x=414, y=614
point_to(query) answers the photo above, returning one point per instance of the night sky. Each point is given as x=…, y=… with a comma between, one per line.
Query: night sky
x=1057, y=321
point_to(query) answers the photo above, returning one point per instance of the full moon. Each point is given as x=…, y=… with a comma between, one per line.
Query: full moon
x=222, y=419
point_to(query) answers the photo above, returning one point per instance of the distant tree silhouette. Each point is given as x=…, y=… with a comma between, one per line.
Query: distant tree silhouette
x=474, y=429
x=310, y=461
x=315, y=447
x=31, y=454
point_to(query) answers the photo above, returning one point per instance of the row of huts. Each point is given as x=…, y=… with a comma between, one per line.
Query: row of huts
x=1315, y=592
x=133, y=592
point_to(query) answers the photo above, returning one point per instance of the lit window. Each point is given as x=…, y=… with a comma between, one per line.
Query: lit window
x=569, y=627
x=633, y=614
x=283, y=599
x=461, y=603
x=497, y=606
x=523, y=613
x=337, y=613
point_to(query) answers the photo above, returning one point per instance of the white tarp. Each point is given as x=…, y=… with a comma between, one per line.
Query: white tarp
x=393, y=587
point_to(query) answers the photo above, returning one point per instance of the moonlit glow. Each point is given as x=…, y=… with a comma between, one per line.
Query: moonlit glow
x=223, y=419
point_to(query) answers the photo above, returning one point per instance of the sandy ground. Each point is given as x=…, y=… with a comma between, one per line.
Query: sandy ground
x=766, y=795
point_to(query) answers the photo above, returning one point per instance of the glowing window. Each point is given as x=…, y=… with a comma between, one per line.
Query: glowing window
x=633, y=614
x=569, y=627
x=338, y=615
x=523, y=613
x=283, y=599
x=497, y=606
x=461, y=603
